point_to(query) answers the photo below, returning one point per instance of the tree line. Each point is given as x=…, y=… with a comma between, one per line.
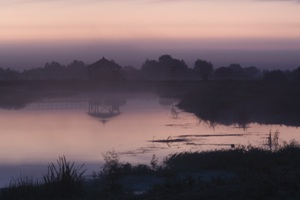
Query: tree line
x=165, y=68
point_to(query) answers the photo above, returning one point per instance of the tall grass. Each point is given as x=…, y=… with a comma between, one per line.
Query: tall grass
x=23, y=187
x=64, y=179
x=272, y=141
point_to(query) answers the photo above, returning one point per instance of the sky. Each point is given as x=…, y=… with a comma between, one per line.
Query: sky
x=263, y=33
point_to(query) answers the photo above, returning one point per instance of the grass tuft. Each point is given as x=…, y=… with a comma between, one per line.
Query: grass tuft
x=64, y=180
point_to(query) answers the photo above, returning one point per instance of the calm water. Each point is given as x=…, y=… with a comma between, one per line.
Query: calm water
x=135, y=126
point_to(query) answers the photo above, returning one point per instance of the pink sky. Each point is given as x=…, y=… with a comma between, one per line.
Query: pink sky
x=33, y=32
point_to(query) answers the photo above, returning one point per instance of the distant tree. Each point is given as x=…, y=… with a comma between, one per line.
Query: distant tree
x=54, y=71
x=224, y=73
x=165, y=59
x=170, y=66
x=252, y=72
x=53, y=66
x=274, y=76
x=204, y=68
x=76, y=64
x=164, y=68
x=76, y=70
x=296, y=74
x=237, y=70
x=235, y=67
x=131, y=73
x=288, y=74
x=9, y=74
x=34, y=74
x=151, y=69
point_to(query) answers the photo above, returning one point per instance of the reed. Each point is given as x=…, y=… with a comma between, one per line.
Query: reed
x=23, y=187
x=64, y=180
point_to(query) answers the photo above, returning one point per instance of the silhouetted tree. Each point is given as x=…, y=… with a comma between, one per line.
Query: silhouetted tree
x=237, y=70
x=54, y=71
x=296, y=74
x=204, y=68
x=76, y=70
x=171, y=65
x=164, y=68
x=9, y=74
x=165, y=59
x=151, y=69
x=131, y=73
x=34, y=74
x=224, y=73
x=53, y=66
x=274, y=76
x=252, y=72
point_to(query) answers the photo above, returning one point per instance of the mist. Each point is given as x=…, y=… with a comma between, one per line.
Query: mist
x=28, y=55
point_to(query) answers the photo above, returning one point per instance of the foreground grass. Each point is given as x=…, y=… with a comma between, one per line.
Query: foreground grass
x=240, y=173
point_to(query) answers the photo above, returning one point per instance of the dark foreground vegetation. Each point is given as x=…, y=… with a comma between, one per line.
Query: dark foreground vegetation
x=240, y=173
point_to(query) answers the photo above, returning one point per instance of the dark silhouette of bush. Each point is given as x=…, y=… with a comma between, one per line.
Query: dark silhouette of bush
x=252, y=72
x=76, y=70
x=165, y=68
x=130, y=73
x=55, y=71
x=9, y=74
x=274, y=76
x=238, y=71
x=204, y=68
x=224, y=73
x=296, y=74
x=151, y=69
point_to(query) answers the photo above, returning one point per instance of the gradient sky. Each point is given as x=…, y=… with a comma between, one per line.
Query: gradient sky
x=264, y=33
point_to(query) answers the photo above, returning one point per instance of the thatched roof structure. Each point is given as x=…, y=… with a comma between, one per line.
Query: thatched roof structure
x=104, y=70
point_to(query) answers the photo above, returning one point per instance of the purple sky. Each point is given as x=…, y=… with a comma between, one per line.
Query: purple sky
x=263, y=33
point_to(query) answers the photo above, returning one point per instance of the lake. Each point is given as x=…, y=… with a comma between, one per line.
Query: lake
x=135, y=126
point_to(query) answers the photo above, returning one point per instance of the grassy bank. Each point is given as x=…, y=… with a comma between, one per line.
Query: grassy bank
x=240, y=173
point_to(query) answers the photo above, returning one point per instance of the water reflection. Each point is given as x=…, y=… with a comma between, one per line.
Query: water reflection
x=105, y=109
x=170, y=102
x=196, y=140
x=140, y=125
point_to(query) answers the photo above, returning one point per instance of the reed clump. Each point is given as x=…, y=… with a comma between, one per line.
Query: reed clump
x=64, y=180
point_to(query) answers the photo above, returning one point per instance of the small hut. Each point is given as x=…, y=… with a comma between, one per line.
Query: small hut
x=104, y=70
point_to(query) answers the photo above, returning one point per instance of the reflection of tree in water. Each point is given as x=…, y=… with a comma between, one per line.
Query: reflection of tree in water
x=242, y=103
x=105, y=109
x=15, y=100
x=174, y=112
x=170, y=102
